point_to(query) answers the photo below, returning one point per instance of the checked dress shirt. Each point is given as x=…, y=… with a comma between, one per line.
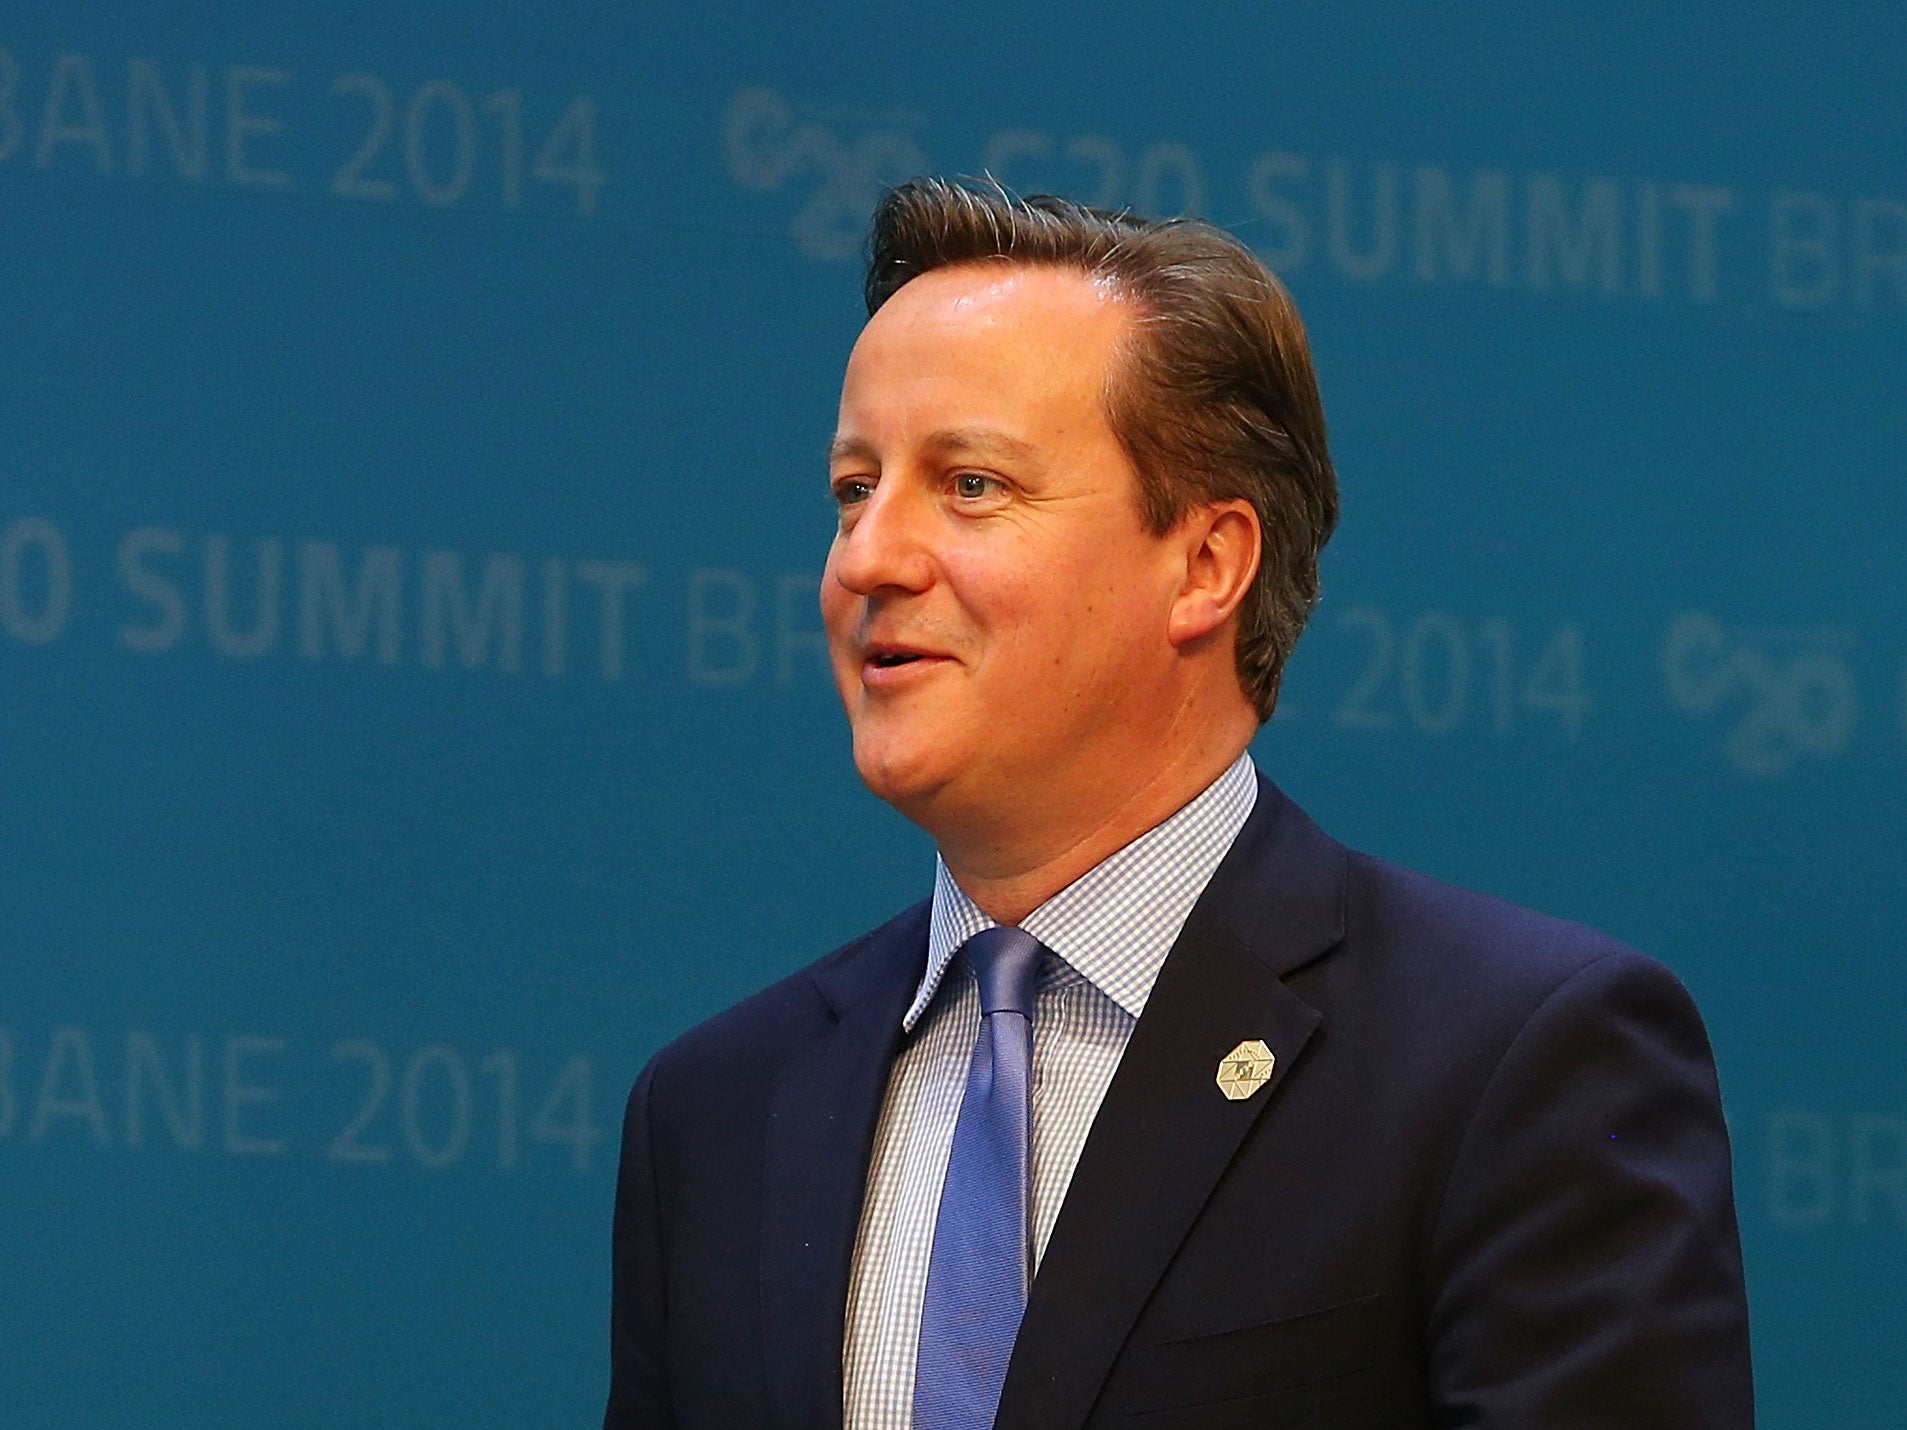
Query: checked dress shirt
x=1109, y=932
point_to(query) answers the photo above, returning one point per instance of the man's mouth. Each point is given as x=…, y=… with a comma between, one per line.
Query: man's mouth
x=893, y=657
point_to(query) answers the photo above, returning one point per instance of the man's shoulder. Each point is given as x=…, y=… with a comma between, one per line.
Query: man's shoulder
x=1391, y=901
x=1468, y=954
x=793, y=1010
x=1399, y=924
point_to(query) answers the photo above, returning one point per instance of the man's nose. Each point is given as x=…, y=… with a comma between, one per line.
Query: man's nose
x=887, y=545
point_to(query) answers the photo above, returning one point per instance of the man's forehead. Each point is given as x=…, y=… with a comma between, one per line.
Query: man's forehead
x=995, y=333
x=995, y=293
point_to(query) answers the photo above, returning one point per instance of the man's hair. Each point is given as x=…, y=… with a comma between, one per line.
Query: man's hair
x=1214, y=397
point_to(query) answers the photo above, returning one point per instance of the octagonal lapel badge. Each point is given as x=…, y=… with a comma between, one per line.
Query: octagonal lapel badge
x=1245, y=1069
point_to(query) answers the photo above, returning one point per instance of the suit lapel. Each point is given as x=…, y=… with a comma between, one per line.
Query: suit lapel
x=821, y=1120
x=1165, y=1134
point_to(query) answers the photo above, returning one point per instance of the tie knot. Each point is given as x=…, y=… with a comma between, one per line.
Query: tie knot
x=1006, y=961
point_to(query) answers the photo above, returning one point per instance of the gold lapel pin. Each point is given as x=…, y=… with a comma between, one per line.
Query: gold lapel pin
x=1245, y=1069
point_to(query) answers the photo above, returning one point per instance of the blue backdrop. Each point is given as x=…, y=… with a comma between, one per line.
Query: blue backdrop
x=412, y=502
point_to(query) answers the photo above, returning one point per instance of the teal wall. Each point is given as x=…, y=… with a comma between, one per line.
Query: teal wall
x=412, y=503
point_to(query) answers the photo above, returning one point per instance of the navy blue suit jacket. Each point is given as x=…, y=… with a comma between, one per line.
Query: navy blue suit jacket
x=1487, y=1184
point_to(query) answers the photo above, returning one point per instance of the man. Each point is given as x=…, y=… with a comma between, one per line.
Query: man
x=1166, y=1110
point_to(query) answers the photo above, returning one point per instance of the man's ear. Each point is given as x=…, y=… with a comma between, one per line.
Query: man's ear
x=1222, y=546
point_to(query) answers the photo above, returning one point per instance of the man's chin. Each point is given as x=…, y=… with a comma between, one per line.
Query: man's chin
x=911, y=781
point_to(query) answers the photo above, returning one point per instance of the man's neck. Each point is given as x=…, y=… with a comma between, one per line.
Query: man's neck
x=1011, y=874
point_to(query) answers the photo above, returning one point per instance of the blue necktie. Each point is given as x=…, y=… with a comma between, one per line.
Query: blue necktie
x=982, y=1258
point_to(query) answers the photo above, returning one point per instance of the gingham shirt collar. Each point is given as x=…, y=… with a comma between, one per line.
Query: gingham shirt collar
x=1114, y=924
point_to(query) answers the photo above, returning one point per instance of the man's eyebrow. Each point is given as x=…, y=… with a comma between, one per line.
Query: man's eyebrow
x=979, y=442
x=948, y=441
x=844, y=449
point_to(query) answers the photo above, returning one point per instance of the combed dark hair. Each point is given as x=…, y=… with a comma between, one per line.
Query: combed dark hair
x=1214, y=397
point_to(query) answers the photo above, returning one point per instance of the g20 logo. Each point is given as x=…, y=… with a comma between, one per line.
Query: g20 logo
x=768, y=147
x=1786, y=696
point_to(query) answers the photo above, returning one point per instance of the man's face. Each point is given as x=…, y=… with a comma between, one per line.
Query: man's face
x=996, y=610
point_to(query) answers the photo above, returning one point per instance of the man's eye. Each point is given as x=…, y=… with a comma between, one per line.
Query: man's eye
x=972, y=484
x=850, y=490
